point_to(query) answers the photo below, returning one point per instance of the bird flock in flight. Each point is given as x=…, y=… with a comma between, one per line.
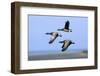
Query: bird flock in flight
x=54, y=35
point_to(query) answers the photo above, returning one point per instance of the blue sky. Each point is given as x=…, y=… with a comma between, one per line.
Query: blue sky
x=38, y=25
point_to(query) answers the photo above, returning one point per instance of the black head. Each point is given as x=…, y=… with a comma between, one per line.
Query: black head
x=72, y=42
x=61, y=41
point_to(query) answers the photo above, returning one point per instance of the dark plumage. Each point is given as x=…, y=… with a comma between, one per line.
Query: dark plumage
x=54, y=35
x=66, y=28
x=66, y=44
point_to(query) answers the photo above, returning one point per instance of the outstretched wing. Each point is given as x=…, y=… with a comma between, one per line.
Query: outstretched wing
x=67, y=25
x=63, y=45
x=52, y=38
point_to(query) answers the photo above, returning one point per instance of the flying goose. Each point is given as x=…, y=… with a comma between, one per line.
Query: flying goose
x=54, y=35
x=66, y=28
x=66, y=44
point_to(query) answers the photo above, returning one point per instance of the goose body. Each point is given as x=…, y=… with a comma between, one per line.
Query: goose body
x=54, y=35
x=66, y=44
x=66, y=28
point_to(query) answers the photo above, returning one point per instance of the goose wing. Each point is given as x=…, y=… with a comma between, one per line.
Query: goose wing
x=66, y=44
x=52, y=38
x=63, y=45
x=67, y=25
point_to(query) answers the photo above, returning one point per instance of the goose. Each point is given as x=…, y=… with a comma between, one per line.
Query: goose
x=66, y=44
x=54, y=35
x=66, y=28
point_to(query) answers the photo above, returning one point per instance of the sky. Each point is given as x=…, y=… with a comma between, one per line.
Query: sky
x=38, y=25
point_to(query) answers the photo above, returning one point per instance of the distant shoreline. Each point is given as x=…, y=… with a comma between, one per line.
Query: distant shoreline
x=62, y=55
x=53, y=52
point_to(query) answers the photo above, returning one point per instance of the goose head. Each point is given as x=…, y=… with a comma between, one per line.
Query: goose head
x=72, y=42
x=61, y=41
